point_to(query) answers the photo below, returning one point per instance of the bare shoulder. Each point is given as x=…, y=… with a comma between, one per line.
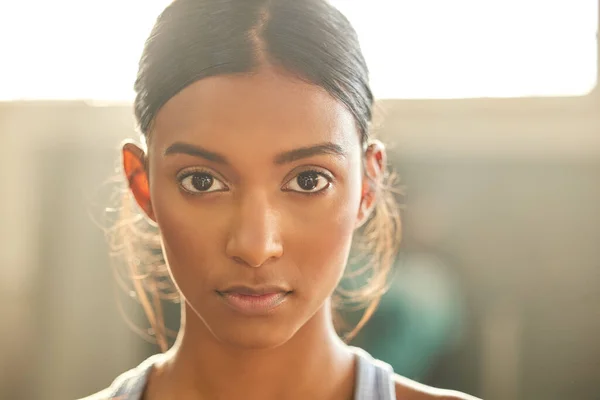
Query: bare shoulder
x=407, y=389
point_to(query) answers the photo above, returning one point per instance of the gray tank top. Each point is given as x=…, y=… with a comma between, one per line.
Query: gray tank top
x=374, y=380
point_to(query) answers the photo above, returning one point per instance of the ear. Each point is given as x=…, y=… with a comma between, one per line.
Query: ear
x=374, y=169
x=134, y=166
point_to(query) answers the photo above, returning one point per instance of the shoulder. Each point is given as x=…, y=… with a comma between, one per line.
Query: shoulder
x=129, y=385
x=374, y=375
x=407, y=389
x=108, y=394
x=102, y=395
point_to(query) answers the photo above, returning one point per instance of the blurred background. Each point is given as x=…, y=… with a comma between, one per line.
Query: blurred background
x=492, y=115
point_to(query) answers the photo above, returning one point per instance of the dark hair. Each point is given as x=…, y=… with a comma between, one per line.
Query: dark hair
x=195, y=39
x=311, y=39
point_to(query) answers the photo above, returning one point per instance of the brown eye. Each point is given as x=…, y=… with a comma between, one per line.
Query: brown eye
x=201, y=182
x=308, y=182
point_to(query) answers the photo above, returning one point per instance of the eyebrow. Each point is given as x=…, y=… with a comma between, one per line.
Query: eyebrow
x=282, y=158
x=196, y=151
x=310, y=151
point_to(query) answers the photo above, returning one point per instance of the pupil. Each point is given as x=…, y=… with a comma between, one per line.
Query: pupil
x=308, y=180
x=202, y=181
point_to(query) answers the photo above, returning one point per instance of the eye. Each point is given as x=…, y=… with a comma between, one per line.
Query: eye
x=201, y=182
x=308, y=182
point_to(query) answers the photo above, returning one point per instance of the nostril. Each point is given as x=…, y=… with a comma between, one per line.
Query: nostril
x=239, y=260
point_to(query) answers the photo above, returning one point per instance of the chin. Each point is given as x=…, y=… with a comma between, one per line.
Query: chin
x=250, y=332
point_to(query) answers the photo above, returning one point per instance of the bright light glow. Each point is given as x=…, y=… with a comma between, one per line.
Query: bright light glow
x=478, y=48
x=74, y=49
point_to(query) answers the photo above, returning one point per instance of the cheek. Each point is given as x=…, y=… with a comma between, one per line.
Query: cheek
x=322, y=238
x=188, y=237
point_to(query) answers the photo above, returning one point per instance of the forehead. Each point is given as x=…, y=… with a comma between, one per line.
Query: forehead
x=271, y=108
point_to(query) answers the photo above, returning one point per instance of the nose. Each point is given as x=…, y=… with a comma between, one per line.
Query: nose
x=255, y=237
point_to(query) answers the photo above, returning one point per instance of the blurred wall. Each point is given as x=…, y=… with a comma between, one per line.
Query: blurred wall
x=507, y=190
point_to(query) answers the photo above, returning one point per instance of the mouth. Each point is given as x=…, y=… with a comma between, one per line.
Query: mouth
x=254, y=301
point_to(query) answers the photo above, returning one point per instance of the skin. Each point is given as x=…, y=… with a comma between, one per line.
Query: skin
x=257, y=225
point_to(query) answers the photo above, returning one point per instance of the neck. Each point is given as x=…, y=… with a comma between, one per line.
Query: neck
x=314, y=364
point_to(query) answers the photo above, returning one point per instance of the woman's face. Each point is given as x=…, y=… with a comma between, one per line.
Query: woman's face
x=255, y=184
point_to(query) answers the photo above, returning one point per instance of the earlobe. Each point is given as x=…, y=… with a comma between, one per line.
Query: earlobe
x=375, y=163
x=363, y=211
x=134, y=167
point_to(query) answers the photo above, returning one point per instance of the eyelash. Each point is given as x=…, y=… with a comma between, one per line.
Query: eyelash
x=190, y=172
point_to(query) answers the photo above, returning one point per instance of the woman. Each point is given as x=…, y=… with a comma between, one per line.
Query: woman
x=256, y=170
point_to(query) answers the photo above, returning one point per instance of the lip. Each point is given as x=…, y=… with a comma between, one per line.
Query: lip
x=254, y=301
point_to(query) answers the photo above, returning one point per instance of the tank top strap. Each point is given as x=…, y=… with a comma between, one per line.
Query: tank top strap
x=131, y=385
x=374, y=378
